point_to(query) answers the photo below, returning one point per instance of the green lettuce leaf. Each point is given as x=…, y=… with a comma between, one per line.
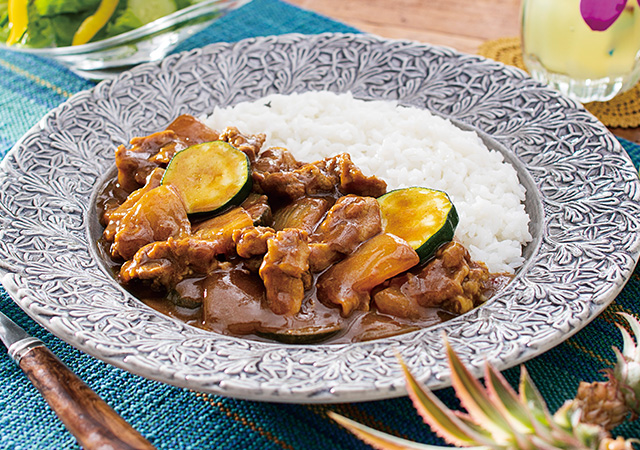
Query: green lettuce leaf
x=49, y=8
x=132, y=14
x=55, y=31
x=121, y=23
x=184, y=3
x=52, y=23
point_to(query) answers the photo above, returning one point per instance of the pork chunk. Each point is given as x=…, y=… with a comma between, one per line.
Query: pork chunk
x=157, y=215
x=351, y=179
x=279, y=175
x=135, y=164
x=166, y=263
x=450, y=281
x=284, y=269
x=308, y=180
x=252, y=241
x=248, y=144
x=351, y=221
x=191, y=131
x=293, y=180
x=113, y=217
x=275, y=159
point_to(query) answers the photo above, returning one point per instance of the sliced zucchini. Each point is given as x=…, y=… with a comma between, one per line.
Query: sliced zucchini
x=184, y=301
x=188, y=293
x=210, y=177
x=306, y=335
x=423, y=217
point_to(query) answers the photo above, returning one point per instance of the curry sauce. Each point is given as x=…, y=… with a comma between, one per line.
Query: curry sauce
x=303, y=259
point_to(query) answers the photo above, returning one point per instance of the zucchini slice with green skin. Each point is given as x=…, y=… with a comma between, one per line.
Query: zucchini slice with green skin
x=307, y=335
x=210, y=177
x=423, y=217
x=184, y=302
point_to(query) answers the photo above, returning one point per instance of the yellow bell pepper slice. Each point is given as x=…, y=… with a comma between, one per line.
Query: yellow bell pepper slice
x=92, y=24
x=18, y=19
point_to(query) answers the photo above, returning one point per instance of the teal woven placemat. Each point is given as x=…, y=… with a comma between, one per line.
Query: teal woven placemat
x=173, y=418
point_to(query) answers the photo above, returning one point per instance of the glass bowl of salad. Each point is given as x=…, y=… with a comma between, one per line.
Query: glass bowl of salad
x=98, y=39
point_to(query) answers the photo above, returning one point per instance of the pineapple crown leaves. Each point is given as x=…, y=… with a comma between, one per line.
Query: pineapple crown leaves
x=496, y=418
x=383, y=441
x=627, y=368
x=587, y=435
x=512, y=421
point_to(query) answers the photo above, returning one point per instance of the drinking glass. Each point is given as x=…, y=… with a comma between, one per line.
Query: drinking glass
x=561, y=50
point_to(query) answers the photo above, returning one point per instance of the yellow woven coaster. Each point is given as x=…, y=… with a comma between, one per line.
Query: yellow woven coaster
x=621, y=111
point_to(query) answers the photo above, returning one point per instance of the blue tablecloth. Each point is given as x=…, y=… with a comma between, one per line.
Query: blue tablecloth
x=174, y=418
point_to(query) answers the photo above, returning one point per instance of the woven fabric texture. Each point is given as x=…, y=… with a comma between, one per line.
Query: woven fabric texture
x=173, y=418
x=622, y=111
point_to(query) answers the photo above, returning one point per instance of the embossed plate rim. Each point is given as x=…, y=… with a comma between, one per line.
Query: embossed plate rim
x=567, y=281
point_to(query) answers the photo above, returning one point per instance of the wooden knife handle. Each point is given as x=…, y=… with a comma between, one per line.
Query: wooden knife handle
x=94, y=424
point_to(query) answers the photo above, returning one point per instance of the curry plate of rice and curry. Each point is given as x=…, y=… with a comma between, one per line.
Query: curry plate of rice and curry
x=280, y=218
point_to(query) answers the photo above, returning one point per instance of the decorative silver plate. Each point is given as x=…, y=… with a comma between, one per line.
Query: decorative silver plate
x=582, y=194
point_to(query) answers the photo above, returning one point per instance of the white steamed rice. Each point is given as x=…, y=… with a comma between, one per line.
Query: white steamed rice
x=405, y=147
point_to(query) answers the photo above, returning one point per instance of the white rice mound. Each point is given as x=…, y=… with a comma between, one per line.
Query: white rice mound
x=405, y=147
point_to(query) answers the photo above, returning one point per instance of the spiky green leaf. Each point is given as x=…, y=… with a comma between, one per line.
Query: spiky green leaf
x=630, y=350
x=383, y=441
x=530, y=396
x=507, y=401
x=621, y=368
x=518, y=441
x=628, y=345
x=544, y=424
x=468, y=421
x=627, y=380
x=440, y=418
x=562, y=427
x=476, y=400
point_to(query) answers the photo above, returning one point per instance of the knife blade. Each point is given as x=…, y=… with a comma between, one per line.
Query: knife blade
x=94, y=423
x=15, y=338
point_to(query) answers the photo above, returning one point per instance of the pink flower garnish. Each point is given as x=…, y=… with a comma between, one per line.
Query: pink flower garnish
x=600, y=14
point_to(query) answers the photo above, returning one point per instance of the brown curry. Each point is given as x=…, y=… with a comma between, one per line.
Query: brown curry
x=303, y=259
